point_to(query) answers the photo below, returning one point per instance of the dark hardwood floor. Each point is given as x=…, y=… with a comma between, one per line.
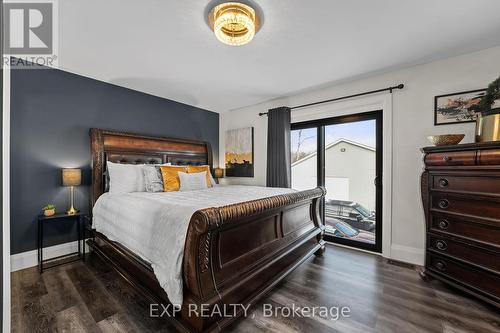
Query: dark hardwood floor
x=89, y=297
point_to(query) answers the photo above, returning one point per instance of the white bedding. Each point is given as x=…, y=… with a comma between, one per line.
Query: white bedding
x=154, y=225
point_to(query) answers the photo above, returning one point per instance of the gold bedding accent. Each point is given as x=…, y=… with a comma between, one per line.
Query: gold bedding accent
x=170, y=177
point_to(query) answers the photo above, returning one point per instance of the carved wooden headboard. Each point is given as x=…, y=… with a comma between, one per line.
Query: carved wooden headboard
x=120, y=147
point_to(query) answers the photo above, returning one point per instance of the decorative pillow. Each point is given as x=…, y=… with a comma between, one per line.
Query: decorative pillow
x=202, y=168
x=193, y=181
x=152, y=177
x=125, y=178
x=171, y=178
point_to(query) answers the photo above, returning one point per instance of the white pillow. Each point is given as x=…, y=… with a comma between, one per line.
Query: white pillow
x=126, y=178
x=192, y=181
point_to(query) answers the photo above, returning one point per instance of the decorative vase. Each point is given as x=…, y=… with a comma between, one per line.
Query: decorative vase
x=49, y=212
x=488, y=128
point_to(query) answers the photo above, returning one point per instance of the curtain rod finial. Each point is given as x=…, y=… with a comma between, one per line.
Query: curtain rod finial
x=401, y=86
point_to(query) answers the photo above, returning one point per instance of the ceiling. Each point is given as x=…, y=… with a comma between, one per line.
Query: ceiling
x=165, y=48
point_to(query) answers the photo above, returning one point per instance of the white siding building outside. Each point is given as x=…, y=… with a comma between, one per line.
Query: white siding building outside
x=349, y=172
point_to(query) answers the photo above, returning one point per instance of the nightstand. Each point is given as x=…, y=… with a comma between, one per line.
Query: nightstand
x=59, y=218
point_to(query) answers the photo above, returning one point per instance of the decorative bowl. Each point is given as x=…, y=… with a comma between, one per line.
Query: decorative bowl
x=446, y=139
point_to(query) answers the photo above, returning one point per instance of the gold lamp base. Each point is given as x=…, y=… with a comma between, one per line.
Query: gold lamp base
x=72, y=210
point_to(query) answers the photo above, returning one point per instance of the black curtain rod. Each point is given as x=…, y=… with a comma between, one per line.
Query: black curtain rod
x=399, y=86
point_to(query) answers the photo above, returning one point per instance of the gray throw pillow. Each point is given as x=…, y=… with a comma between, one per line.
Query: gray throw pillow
x=152, y=178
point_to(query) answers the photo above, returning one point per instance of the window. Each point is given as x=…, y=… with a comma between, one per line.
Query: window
x=343, y=154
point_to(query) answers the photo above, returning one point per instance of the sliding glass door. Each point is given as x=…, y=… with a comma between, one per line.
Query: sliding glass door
x=344, y=154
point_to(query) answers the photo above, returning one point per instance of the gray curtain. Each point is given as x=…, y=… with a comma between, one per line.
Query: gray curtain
x=279, y=168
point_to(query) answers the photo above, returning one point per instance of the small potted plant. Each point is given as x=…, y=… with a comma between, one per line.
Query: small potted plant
x=488, y=124
x=49, y=210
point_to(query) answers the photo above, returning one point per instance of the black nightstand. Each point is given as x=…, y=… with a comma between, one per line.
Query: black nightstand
x=42, y=219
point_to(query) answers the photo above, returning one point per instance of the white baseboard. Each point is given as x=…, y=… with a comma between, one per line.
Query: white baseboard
x=408, y=254
x=30, y=258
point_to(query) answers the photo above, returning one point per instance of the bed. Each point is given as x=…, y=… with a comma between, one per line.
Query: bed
x=235, y=242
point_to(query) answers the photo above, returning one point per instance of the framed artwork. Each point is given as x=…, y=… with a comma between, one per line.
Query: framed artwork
x=462, y=107
x=239, y=152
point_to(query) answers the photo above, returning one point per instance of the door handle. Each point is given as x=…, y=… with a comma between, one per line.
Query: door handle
x=376, y=181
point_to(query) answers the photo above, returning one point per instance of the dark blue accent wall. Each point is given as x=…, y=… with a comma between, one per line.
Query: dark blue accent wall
x=51, y=113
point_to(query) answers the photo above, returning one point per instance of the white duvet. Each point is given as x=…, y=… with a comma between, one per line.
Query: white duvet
x=154, y=225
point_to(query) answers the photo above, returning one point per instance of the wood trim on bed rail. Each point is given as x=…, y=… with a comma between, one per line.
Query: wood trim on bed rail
x=273, y=235
x=237, y=211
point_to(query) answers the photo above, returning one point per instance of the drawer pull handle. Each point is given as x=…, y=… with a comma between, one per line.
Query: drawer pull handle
x=446, y=158
x=443, y=182
x=444, y=224
x=441, y=245
x=440, y=265
x=443, y=203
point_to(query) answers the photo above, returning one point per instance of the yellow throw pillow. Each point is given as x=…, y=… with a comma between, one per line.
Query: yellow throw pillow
x=200, y=168
x=170, y=176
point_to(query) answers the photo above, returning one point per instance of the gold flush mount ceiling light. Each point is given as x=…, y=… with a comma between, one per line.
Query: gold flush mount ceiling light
x=233, y=23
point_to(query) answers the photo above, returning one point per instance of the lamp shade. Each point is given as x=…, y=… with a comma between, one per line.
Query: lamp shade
x=219, y=173
x=71, y=177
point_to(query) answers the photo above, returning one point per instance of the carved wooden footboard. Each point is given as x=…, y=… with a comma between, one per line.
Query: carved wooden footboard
x=235, y=254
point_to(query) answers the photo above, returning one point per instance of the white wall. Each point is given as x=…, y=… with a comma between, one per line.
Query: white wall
x=412, y=121
x=349, y=174
x=304, y=174
x=6, y=197
x=356, y=164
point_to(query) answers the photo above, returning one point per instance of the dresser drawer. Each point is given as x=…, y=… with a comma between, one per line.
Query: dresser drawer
x=468, y=205
x=463, y=251
x=486, y=185
x=461, y=272
x=482, y=232
x=451, y=158
x=489, y=157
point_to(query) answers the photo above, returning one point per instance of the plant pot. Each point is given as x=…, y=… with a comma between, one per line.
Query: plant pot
x=488, y=128
x=49, y=212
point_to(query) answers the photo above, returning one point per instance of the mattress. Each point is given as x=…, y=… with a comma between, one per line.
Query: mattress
x=154, y=225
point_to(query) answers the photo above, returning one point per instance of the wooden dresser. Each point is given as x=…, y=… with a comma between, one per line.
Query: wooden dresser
x=461, y=198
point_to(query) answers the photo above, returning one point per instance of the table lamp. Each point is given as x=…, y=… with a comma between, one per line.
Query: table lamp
x=218, y=173
x=71, y=178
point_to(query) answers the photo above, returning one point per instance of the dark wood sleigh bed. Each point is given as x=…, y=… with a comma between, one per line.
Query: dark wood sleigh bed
x=232, y=255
